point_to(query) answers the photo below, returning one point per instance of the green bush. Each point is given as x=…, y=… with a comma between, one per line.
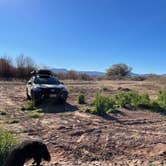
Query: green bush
x=133, y=100
x=144, y=101
x=103, y=104
x=34, y=115
x=113, y=111
x=7, y=141
x=155, y=106
x=39, y=110
x=3, y=112
x=81, y=99
x=161, y=99
x=12, y=121
x=87, y=110
x=129, y=100
x=138, y=78
x=30, y=105
x=105, y=89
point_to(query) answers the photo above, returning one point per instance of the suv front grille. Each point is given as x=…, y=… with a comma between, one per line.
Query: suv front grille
x=54, y=90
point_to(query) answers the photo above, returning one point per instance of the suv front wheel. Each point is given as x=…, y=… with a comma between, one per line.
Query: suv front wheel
x=63, y=97
x=35, y=97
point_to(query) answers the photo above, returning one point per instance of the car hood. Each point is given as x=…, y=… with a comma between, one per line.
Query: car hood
x=48, y=86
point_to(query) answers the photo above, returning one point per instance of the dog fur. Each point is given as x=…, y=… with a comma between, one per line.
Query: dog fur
x=28, y=150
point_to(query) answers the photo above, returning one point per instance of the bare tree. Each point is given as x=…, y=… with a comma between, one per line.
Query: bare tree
x=29, y=65
x=25, y=65
x=72, y=75
x=6, y=67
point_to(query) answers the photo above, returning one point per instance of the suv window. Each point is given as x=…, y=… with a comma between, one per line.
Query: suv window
x=46, y=80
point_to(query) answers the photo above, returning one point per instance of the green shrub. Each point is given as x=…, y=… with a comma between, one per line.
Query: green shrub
x=39, y=110
x=7, y=141
x=30, y=105
x=129, y=100
x=102, y=104
x=133, y=100
x=81, y=99
x=161, y=99
x=12, y=121
x=2, y=112
x=105, y=89
x=113, y=111
x=87, y=110
x=138, y=78
x=144, y=101
x=34, y=115
x=155, y=106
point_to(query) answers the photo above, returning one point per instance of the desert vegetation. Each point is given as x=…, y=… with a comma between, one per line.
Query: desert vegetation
x=103, y=104
x=103, y=121
x=81, y=99
x=74, y=75
x=7, y=141
x=118, y=71
x=129, y=100
x=21, y=68
x=34, y=114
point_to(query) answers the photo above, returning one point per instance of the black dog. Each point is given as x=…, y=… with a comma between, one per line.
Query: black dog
x=28, y=150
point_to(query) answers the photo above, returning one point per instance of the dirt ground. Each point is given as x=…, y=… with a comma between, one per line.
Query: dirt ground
x=136, y=138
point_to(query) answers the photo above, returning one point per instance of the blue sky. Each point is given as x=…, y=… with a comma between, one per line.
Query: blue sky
x=86, y=34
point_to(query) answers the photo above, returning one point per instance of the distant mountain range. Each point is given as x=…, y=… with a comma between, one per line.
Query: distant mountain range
x=134, y=74
x=91, y=73
x=96, y=73
x=61, y=70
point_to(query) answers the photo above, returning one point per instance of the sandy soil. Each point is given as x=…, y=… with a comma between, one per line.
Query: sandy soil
x=74, y=138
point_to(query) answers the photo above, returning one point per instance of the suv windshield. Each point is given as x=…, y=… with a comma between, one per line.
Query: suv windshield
x=46, y=80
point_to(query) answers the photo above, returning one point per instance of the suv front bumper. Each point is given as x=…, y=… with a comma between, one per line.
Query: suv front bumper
x=46, y=94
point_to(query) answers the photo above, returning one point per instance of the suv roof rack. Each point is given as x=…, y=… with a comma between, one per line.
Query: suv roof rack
x=42, y=73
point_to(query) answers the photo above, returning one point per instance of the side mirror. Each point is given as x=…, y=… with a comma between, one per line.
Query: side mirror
x=62, y=83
